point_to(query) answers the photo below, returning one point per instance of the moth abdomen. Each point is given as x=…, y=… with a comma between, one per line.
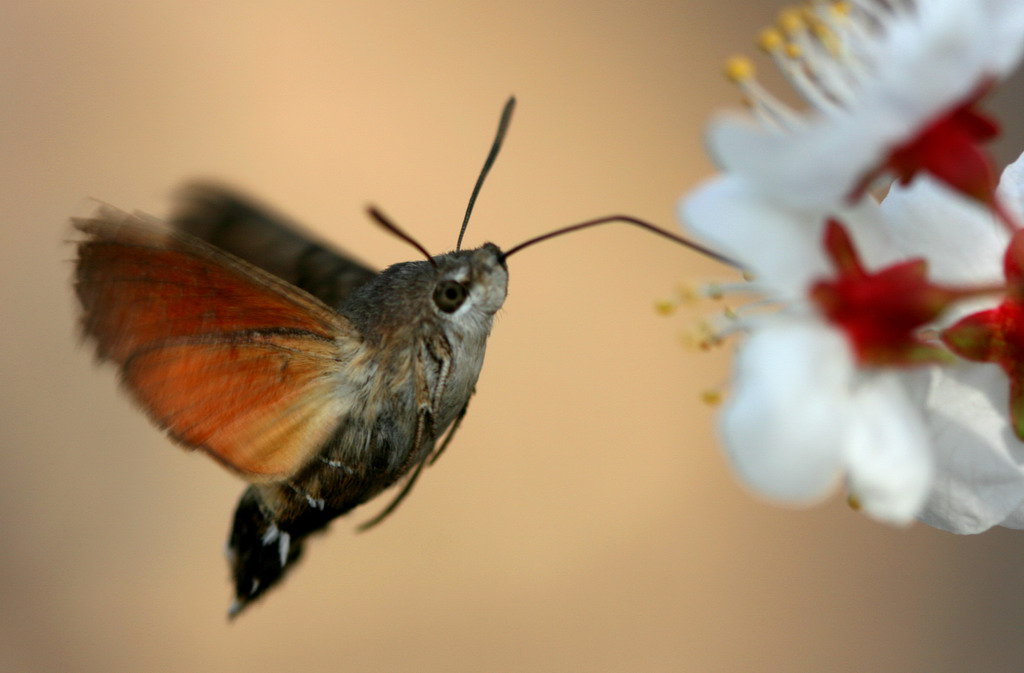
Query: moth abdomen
x=259, y=550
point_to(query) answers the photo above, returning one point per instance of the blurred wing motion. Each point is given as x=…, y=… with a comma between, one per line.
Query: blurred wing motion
x=233, y=223
x=224, y=356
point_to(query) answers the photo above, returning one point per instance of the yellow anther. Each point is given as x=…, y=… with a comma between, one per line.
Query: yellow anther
x=791, y=20
x=793, y=51
x=739, y=69
x=770, y=39
x=712, y=398
x=686, y=294
x=709, y=343
x=665, y=307
x=730, y=313
x=700, y=337
x=853, y=502
x=693, y=342
x=841, y=8
x=827, y=37
x=707, y=338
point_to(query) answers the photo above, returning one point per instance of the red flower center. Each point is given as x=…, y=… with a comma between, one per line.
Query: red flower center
x=949, y=149
x=880, y=312
x=997, y=335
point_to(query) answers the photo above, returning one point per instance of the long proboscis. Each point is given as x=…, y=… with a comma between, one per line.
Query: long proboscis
x=681, y=240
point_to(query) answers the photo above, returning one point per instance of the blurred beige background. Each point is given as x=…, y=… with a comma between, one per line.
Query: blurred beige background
x=584, y=519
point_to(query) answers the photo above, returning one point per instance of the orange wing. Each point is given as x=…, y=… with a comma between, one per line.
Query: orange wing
x=224, y=356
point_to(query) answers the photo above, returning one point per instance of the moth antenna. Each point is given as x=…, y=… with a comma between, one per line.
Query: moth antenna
x=383, y=221
x=707, y=252
x=506, y=117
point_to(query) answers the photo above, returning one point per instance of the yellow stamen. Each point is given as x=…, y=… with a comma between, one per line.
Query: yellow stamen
x=739, y=69
x=691, y=342
x=793, y=51
x=853, y=502
x=791, y=20
x=686, y=294
x=841, y=8
x=826, y=37
x=707, y=338
x=770, y=39
x=712, y=398
x=701, y=337
x=665, y=307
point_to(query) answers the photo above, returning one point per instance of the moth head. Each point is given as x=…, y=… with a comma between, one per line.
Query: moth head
x=458, y=292
x=470, y=282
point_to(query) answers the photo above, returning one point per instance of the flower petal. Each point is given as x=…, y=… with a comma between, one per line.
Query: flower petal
x=1014, y=519
x=929, y=61
x=780, y=245
x=781, y=424
x=923, y=64
x=979, y=462
x=960, y=238
x=815, y=166
x=1007, y=33
x=887, y=454
x=1011, y=185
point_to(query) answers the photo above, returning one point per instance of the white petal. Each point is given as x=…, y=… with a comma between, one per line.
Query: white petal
x=1014, y=519
x=783, y=423
x=816, y=166
x=959, y=238
x=1011, y=186
x=871, y=238
x=887, y=455
x=930, y=61
x=979, y=461
x=1006, y=18
x=925, y=63
x=781, y=246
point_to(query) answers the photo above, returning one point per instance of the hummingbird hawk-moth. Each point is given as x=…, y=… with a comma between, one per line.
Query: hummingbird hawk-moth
x=318, y=380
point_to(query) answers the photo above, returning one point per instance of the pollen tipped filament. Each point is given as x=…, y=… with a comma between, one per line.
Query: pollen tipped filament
x=829, y=53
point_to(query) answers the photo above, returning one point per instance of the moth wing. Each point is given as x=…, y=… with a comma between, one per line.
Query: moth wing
x=224, y=356
x=237, y=224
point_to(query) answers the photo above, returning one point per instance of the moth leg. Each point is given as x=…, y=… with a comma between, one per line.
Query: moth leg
x=440, y=351
x=424, y=429
x=450, y=434
x=423, y=453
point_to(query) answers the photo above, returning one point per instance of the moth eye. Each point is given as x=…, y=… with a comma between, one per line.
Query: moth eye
x=449, y=295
